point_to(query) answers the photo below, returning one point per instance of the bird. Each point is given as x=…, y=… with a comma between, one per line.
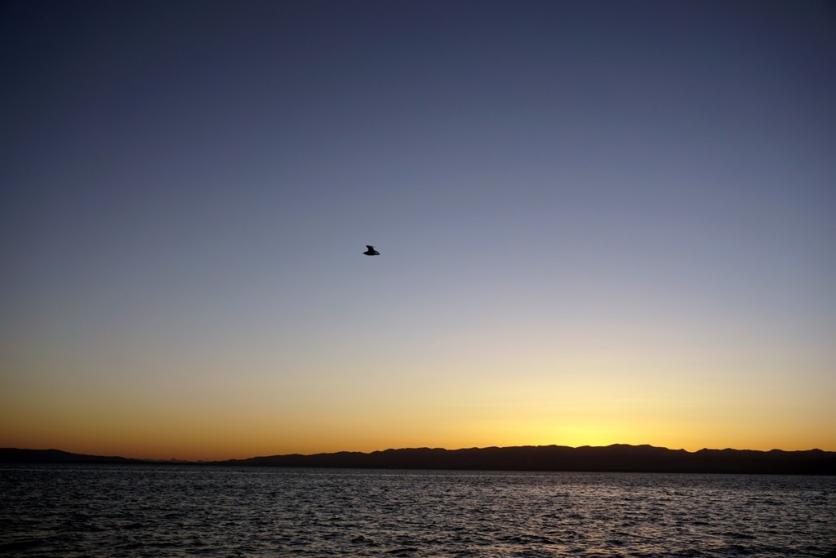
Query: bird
x=370, y=251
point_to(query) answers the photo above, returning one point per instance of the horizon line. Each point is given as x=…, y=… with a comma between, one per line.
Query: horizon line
x=409, y=448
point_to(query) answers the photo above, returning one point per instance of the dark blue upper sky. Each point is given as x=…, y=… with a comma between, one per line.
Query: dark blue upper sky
x=179, y=175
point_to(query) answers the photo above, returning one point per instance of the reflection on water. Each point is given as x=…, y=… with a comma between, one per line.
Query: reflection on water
x=203, y=511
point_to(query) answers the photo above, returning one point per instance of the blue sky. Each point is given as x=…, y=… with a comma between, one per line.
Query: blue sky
x=568, y=196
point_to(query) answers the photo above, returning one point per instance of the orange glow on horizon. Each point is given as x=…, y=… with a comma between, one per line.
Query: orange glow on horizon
x=459, y=397
x=213, y=441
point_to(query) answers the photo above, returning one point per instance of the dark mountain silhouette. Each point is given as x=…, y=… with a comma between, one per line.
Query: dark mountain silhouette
x=561, y=458
x=15, y=455
x=615, y=458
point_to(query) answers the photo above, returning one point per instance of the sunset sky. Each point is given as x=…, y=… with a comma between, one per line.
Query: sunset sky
x=600, y=222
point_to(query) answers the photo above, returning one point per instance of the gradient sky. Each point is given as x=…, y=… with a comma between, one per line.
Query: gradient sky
x=600, y=222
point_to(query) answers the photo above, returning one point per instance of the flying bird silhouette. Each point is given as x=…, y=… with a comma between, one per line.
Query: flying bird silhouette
x=370, y=251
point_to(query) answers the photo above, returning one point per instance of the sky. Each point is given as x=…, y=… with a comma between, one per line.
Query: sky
x=599, y=222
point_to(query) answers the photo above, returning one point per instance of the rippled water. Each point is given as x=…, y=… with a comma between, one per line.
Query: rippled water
x=205, y=511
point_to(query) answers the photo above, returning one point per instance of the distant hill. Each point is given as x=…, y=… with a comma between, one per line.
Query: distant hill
x=615, y=458
x=15, y=455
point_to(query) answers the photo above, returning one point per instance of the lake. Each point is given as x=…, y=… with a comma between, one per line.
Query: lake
x=97, y=510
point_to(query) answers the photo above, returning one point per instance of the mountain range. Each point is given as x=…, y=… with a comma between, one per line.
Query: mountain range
x=614, y=458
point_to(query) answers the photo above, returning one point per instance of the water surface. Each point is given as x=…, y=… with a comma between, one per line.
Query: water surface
x=62, y=510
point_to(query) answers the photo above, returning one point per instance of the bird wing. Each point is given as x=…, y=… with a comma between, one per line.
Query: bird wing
x=369, y=247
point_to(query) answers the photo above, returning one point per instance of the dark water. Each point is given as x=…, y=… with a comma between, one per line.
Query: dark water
x=202, y=511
